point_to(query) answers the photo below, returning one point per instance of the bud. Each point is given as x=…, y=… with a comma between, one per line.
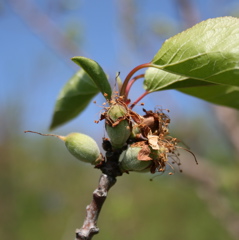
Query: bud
x=129, y=161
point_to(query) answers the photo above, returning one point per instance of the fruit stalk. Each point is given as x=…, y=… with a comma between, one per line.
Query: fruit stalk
x=81, y=146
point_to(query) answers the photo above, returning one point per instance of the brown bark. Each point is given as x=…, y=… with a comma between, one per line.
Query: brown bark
x=89, y=228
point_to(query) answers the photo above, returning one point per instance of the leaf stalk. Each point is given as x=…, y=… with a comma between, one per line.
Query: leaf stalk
x=129, y=76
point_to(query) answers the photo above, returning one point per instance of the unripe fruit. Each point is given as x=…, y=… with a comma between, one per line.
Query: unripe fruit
x=119, y=134
x=117, y=124
x=135, y=133
x=81, y=146
x=116, y=111
x=129, y=161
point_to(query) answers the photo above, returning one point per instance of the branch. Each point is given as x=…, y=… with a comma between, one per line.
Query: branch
x=89, y=228
x=228, y=119
x=45, y=28
x=189, y=13
x=110, y=170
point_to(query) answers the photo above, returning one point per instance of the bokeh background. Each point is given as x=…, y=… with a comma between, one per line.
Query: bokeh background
x=44, y=190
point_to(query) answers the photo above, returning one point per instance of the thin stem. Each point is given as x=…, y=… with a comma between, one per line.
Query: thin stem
x=128, y=77
x=131, y=82
x=138, y=99
x=52, y=135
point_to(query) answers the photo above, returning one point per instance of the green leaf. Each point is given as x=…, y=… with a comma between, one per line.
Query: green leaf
x=73, y=98
x=214, y=93
x=217, y=94
x=96, y=73
x=208, y=51
x=156, y=80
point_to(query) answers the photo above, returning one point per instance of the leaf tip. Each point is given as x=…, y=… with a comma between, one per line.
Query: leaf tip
x=74, y=59
x=51, y=127
x=54, y=123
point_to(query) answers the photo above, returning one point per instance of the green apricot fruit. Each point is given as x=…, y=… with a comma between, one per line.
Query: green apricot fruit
x=82, y=146
x=129, y=161
x=117, y=125
x=116, y=111
x=118, y=134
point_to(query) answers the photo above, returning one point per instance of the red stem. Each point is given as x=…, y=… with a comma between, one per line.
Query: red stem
x=131, y=83
x=128, y=77
x=138, y=99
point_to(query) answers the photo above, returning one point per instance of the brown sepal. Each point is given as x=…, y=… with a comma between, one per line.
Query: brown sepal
x=144, y=152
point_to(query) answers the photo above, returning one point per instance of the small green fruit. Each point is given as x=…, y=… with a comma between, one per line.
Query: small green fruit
x=117, y=124
x=80, y=145
x=119, y=134
x=129, y=161
x=116, y=111
x=83, y=147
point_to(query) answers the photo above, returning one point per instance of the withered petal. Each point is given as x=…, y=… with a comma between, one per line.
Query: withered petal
x=143, y=154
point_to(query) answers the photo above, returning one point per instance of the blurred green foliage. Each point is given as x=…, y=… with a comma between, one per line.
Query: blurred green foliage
x=44, y=192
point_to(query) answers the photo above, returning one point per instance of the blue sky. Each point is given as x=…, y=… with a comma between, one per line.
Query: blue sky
x=32, y=73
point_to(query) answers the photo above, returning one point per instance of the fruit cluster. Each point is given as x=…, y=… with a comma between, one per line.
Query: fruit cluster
x=136, y=143
x=144, y=141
